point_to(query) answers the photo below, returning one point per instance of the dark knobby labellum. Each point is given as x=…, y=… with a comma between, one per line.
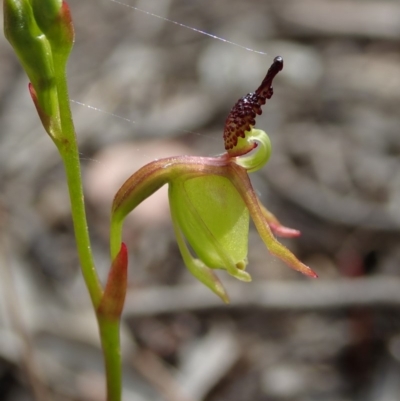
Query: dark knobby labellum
x=243, y=114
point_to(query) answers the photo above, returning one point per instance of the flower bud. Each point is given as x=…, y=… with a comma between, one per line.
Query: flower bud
x=54, y=19
x=33, y=50
x=42, y=35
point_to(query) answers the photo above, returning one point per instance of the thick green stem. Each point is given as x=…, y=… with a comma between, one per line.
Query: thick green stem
x=68, y=148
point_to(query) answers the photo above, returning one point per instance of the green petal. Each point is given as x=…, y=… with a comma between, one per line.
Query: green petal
x=198, y=268
x=242, y=182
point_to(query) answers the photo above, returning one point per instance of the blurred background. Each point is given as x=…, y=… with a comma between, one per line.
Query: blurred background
x=154, y=88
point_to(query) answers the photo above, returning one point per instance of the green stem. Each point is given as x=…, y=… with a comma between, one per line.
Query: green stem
x=72, y=170
x=115, y=236
x=68, y=148
x=110, y=342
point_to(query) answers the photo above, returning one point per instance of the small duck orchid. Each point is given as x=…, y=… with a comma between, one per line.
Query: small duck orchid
x=212, y=198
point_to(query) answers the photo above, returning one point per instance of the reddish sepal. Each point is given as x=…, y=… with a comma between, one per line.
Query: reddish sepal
x=44, y=118
x=113, y=299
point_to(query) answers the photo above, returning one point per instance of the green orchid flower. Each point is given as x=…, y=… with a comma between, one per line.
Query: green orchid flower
x=212, y=198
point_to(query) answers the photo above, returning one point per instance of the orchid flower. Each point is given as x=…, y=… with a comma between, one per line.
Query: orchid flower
x=212, y=198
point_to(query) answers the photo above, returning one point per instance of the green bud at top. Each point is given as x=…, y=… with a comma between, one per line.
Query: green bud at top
x=54, y=20
x=42, y=35
x=46, y=11
x=32, y=49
